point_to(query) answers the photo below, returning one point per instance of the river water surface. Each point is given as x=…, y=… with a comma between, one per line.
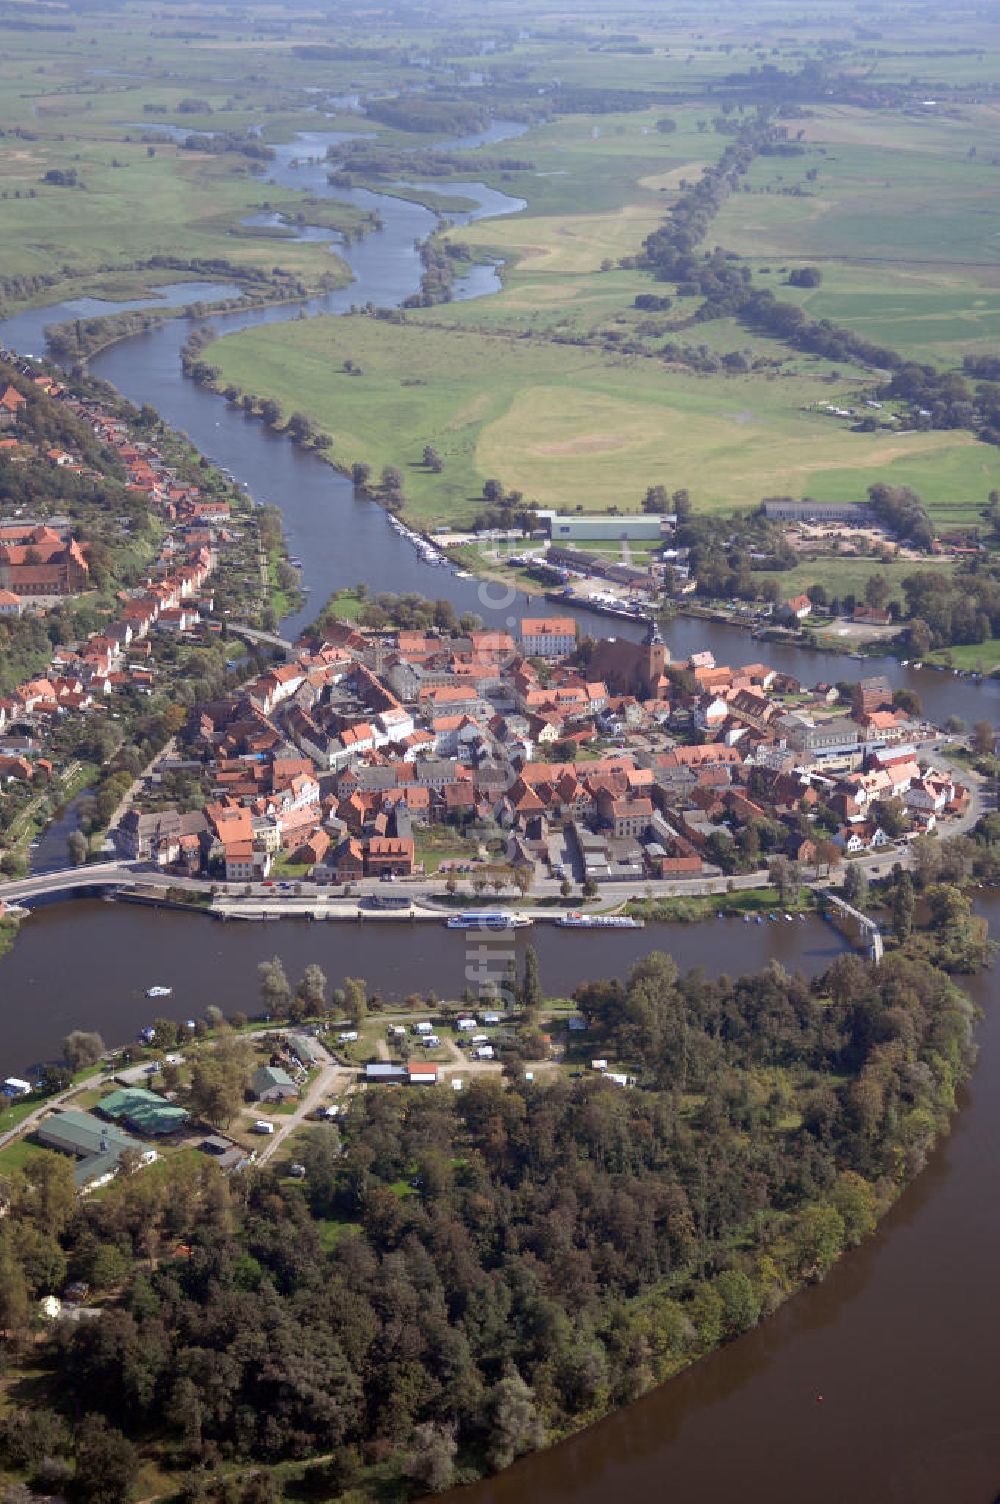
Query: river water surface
x=87, y=964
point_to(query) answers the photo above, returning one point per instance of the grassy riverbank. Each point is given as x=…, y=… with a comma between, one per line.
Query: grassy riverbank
x=559, y=422
x=8, y=934
x=698, y=907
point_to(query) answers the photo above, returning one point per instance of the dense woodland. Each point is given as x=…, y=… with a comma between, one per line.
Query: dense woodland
x=373, y=160
x=945, y=609
x=460, y=1278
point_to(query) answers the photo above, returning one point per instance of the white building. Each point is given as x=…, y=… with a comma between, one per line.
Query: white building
x=548, y=636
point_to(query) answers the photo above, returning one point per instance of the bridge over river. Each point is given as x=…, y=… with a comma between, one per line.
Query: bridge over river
x=118, y=874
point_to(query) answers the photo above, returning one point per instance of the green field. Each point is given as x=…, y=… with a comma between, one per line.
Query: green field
x=900, y=212
x=975, y=657
x=573, y=427
x=847, y=576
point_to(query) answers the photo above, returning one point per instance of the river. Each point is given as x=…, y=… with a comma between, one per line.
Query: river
x=343, y=538
x=87, y=964
x=899, y=1341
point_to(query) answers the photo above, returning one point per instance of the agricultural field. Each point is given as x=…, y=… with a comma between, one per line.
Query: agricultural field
x=573, y=427
x=894, y=201
x=899, y=211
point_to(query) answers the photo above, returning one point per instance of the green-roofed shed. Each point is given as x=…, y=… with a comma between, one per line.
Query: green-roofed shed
x=270, y=1083
x=96, y=1146
x=144, y=1111
x=303, y=1048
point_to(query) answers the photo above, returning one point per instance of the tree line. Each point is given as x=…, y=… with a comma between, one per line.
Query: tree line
x=937, y=399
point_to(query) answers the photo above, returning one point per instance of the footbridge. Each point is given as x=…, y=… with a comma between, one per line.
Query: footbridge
x=869, y=934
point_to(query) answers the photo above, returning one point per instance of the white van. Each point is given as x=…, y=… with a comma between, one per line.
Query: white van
x=349, y=1036
x=263, y=1126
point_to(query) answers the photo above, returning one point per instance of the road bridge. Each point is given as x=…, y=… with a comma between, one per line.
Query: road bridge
x=262, y=639
x=69, y=880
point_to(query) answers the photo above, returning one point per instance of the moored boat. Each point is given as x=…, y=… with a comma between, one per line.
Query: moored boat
x=487, y=919
x=599, y=922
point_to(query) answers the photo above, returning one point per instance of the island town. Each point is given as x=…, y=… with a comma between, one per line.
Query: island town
x=385, y=772
x=499, y=784
x=449, y=761
x=497, y=761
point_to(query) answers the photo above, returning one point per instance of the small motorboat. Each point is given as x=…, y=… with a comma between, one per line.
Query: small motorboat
x=158, y=991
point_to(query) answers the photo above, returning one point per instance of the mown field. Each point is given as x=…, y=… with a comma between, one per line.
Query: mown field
x=573, y=427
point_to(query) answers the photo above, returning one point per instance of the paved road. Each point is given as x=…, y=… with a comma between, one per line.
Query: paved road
x=275, y=900
x=121, y=874
x=164, y=755
x=31, y=1121
x=327, y=1077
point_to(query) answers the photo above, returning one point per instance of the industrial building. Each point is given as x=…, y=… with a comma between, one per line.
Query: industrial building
x=786, y=509
x=580, y=527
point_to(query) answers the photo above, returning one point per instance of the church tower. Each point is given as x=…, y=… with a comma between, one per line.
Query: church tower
x=656, y=657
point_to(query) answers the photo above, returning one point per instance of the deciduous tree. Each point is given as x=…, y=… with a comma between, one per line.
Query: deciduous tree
x=275, y=993
x=82, y=1047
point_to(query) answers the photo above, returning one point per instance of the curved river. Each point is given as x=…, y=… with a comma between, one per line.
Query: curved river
x=900, y=1340
x=342, y=538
